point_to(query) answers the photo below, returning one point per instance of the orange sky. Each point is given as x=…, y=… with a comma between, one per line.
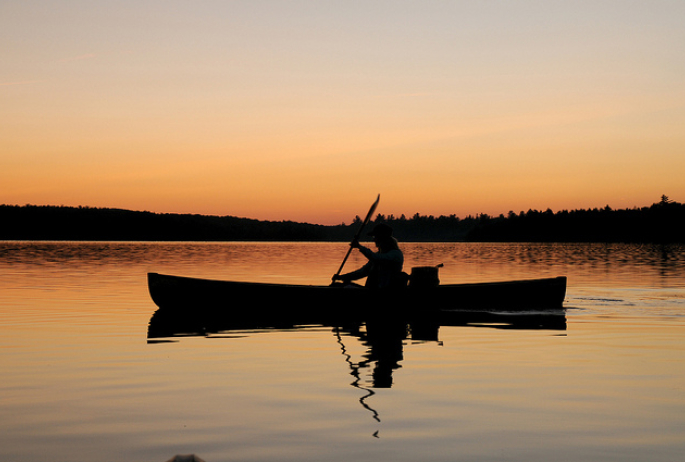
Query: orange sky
x=305, y=111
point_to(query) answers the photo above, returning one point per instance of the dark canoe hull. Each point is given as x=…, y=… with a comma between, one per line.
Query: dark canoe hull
x=241, y=297
x=190, y=306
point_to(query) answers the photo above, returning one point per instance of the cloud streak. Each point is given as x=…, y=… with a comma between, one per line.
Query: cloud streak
x=22, y=82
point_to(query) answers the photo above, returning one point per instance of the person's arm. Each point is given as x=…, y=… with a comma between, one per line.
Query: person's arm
x=354, y=275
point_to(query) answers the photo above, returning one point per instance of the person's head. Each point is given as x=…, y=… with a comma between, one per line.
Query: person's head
x=382, y=236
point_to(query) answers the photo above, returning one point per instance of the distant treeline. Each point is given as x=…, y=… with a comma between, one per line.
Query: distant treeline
x=32, y=222
x=662, y=222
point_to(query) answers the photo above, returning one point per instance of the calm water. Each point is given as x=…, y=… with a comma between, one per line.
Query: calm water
x=81, y=381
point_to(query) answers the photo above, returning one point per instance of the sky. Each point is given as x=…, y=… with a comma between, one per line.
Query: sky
x=306, y=110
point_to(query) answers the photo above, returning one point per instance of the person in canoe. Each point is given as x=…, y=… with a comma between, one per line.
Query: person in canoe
x=384, y=268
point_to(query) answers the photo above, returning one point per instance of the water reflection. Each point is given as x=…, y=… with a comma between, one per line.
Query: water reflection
x=357, y=382
x=383, y=337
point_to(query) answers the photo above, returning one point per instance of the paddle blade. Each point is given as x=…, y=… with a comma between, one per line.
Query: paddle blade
x=371, y=210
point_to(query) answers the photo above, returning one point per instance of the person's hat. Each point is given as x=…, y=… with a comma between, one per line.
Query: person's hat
x=381, y=230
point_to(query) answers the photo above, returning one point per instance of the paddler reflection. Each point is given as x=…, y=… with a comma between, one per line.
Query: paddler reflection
x=384, y=343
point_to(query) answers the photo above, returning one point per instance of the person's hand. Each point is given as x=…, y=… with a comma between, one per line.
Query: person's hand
x=338, y=277
x=355, y=244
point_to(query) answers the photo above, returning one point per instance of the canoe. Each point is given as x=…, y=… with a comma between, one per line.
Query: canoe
x=243, y=298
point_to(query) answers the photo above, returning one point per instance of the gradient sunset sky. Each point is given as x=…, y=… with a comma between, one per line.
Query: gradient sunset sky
x=305, y=110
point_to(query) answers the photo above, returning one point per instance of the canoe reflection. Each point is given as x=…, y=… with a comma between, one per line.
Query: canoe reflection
x=383, y=335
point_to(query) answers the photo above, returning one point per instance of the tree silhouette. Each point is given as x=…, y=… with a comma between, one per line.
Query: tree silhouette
x=663, y=221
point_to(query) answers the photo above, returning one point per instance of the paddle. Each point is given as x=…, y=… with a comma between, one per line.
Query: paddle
x=359, y=232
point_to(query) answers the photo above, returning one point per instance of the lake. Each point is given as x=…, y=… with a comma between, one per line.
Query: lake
x=82, y=381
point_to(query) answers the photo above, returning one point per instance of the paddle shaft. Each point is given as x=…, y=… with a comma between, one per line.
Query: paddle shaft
x=359, y=232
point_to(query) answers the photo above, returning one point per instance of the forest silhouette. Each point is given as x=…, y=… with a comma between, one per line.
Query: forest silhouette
x=662, y=222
